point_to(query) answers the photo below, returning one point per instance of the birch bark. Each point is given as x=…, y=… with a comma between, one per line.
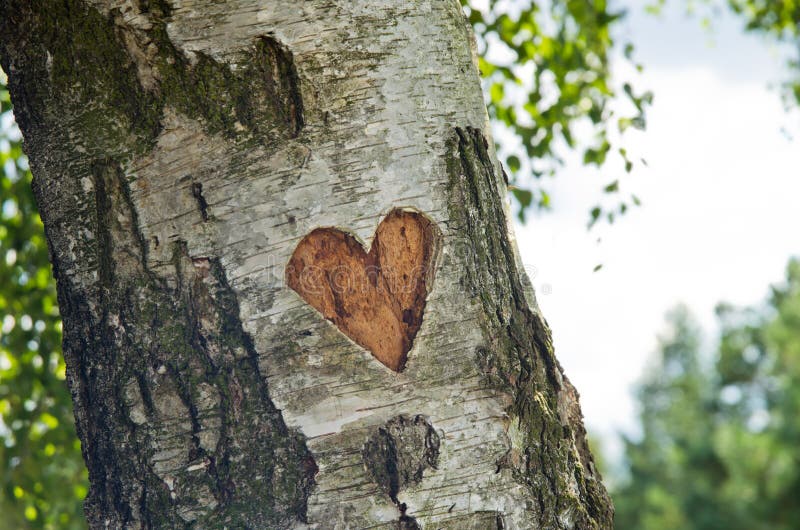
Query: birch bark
x=181, y=149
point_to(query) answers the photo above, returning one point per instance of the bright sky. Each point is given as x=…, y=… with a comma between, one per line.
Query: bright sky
x=720, y=209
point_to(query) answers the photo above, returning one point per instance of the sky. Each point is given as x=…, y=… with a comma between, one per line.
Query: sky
x=718, y=219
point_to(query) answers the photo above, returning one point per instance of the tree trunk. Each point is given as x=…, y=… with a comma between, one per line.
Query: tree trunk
x=182, y=151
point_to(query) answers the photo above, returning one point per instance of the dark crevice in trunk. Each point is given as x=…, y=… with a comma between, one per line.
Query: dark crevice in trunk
x=202, y=204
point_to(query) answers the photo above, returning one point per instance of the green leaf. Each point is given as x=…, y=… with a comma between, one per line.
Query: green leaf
x=594, y=215
x=524, y=198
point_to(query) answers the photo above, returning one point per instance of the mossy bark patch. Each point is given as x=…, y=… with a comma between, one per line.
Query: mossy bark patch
x=398, y=453
x=108, y=81
x=552, y=457
x=175, y=416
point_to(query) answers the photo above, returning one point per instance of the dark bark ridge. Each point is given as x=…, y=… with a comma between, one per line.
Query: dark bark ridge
x=174, y=416
x=107, y=81
x=555, y=461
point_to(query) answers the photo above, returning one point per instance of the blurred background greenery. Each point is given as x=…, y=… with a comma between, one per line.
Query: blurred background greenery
x=42, y=475
x=718, y=444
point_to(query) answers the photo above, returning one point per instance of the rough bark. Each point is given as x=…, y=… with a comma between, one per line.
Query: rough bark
x=181, y=150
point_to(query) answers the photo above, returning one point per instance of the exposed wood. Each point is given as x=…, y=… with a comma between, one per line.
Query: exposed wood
x=376, y=298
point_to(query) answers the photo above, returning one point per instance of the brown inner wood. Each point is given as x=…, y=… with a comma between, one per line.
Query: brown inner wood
x=376, y=298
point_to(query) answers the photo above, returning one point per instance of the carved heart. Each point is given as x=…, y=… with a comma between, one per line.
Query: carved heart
x=376, y=298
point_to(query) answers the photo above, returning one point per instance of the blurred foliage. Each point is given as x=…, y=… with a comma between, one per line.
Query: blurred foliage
x=549, y=83
x=42, y=474
x=547, y=74
x=720, y=444
x=779, y=20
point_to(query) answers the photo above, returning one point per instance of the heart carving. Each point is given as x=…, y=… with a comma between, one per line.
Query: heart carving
x=376, y=298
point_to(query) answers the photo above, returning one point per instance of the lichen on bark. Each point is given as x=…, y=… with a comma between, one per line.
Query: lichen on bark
x=551, y=455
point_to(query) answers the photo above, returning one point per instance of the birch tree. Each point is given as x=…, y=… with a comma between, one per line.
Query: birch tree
x=290, y=292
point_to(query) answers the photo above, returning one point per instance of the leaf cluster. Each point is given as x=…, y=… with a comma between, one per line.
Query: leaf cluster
x=548, y=78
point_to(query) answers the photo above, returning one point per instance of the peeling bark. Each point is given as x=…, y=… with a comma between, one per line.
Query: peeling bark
x=182, y=150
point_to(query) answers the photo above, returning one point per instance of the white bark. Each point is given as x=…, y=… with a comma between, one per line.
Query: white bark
x=384, y=145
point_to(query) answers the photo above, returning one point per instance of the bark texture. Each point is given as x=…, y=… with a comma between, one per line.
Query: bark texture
x=181, y=150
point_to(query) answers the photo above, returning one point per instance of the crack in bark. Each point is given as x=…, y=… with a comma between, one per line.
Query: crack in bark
x=482, y=520
x=202, y=205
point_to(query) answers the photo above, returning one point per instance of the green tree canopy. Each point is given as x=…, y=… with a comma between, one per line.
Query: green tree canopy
x=720, y=443
x=548, y=72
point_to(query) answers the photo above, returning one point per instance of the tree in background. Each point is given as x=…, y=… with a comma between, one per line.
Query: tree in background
x=758, y=380
x=720, y=444
x=673, y=454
